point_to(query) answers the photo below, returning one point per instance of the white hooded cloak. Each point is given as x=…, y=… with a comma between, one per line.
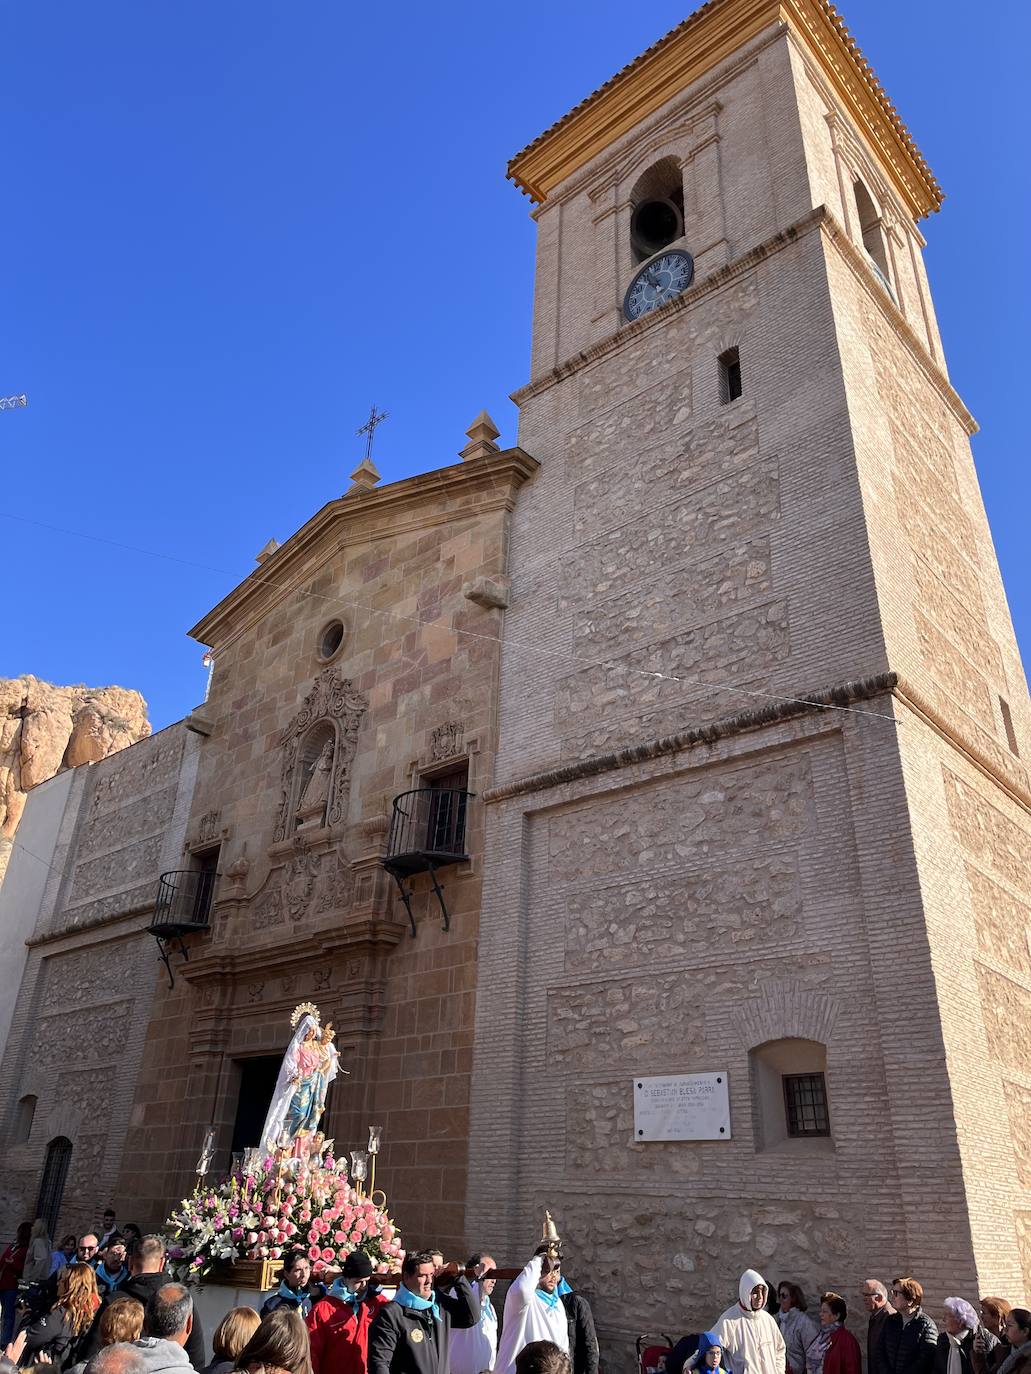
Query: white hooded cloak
x=751, y=1341
x=529, y=1317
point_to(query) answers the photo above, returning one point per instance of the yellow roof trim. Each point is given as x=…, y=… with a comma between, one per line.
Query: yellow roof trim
x=705, y=38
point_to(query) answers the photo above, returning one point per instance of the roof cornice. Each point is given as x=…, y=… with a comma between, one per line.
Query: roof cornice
x=367, y=515
x=686, y=53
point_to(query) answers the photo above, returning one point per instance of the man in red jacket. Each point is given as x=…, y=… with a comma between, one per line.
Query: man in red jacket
x=338, y=1324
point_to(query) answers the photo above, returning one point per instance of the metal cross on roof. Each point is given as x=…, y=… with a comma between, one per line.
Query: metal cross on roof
x=369, y=428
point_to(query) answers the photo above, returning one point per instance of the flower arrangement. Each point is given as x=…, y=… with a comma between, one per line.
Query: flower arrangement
x=260, y=1214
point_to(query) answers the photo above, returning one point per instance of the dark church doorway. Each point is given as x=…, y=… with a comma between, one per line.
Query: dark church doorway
x=257, y=1084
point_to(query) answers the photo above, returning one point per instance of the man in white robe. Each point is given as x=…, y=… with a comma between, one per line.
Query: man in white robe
x=533, y=1310
x=748, y=1334
x=475, y=1351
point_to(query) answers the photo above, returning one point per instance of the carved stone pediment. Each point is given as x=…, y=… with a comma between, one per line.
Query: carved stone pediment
x=334, y=701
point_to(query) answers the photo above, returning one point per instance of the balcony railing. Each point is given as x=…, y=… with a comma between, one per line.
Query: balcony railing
x=183, y=902
x=182, y=907
x=427, y=831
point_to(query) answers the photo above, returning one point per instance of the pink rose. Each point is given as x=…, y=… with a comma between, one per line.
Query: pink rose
x=252, y=1237
x=340, y=1237
x=314, y=1252
x=328, y=1255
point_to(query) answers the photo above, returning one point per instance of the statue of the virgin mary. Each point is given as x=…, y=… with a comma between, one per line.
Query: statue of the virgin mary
x=309, y=1066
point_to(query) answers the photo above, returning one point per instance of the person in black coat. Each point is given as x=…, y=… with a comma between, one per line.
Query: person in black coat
x=910, y=1340
x=148, y=1276
x=412, y=1334
x=295, y=1289
x=961, y=1325
x=583, y=1339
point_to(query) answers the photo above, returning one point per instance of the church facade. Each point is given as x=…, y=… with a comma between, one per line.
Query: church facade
x=684, y=738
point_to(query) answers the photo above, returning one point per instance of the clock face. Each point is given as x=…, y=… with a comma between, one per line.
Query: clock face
x=658, y=282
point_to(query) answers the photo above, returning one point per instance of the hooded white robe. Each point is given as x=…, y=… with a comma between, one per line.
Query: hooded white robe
x=751, y=1341
x=529, y=1318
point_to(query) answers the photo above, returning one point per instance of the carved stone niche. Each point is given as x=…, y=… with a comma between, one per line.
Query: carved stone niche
x=318, y=751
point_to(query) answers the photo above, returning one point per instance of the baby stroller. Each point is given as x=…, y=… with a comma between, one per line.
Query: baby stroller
x=652, y=1359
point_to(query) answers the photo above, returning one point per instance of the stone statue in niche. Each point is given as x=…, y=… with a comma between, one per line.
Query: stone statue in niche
x=311, y=810
x=338, y=702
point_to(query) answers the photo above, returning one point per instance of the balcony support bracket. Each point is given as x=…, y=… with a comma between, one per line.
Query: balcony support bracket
x=445, y=923
x=167, y=946
x=406, y=897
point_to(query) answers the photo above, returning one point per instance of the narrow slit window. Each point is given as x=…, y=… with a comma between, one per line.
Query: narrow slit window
x=805, y=1104
x=1007, y=721
x=730, y=376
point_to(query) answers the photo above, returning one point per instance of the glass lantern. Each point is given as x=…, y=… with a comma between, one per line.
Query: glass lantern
x=359, y=1165
x=375, y=1134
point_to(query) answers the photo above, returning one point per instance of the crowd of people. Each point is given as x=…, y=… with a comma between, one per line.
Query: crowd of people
x=104, y=1304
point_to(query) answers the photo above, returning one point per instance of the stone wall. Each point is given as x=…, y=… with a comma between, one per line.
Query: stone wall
x=306, y=911
x=85, y=999
x=680, y=560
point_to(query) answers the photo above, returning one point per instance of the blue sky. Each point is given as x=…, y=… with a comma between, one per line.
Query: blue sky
x=230, y=227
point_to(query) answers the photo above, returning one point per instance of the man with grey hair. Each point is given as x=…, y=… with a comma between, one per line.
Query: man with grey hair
x=148, y=1275
x=167, y=1323
x=117, y=1359
x=875, y=1300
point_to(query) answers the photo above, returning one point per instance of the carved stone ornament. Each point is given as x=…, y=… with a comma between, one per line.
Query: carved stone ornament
x=268, y=910
x=207, y=826
x=337, y=886
x=301, y=872
x=336, y=700
x=446, y=740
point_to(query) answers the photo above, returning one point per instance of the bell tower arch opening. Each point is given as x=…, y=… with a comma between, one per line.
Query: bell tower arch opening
x=657, y=219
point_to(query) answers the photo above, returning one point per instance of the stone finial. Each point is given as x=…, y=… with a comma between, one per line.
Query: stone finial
x=267, y=551
x=482, y=433
x=364, y=477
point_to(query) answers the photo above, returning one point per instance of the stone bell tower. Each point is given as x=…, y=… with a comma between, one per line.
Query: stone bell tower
x=760, y=806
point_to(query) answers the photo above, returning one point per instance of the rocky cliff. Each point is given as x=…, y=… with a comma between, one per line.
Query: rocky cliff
x=46, y=729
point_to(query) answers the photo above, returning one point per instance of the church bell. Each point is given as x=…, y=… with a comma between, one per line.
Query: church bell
x=654, y=224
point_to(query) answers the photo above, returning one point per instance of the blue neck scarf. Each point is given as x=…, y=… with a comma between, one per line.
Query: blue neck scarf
x=563, y=1288
x=297, y=1295
x=550, y=1300
x=407, y=1298
x=339, y=1289
x=111, y=1279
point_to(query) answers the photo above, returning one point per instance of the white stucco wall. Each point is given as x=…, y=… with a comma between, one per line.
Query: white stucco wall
x=21, y=893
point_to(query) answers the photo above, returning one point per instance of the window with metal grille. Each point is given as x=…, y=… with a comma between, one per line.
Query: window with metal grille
x=445, y=829
x=55, y=1174
x=805, y=1102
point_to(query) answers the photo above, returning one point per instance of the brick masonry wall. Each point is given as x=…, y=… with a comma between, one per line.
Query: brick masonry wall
x=679, y=560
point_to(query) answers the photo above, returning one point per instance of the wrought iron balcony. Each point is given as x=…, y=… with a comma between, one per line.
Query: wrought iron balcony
x=182, y=907
x=427, y=832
